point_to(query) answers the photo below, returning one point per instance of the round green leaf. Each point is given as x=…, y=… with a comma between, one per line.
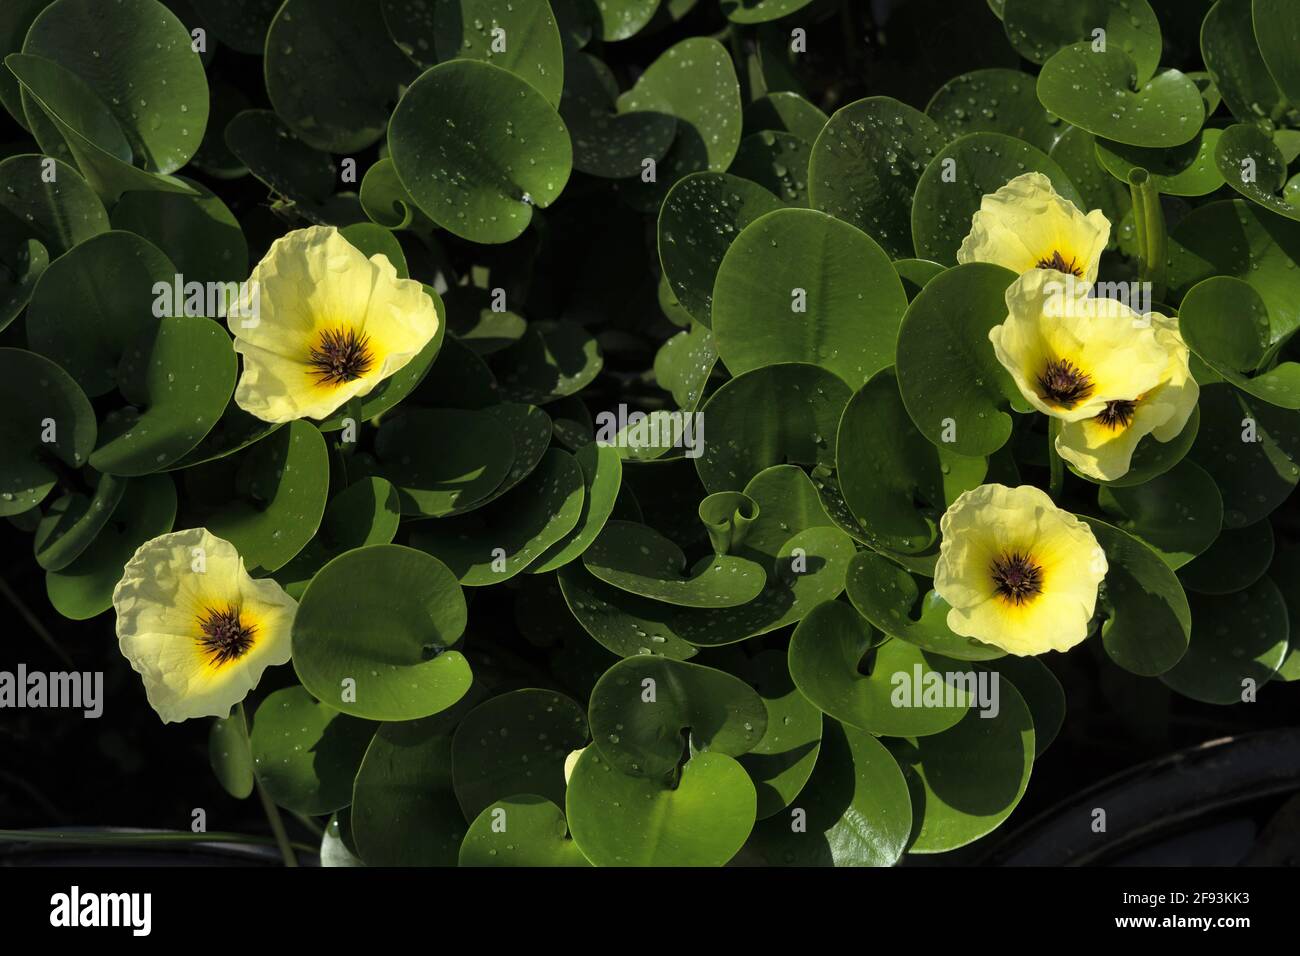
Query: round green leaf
x=786, y=112
x=550, y=360
x=74, y=521
x=1240, y=642
x=1037, y=31
x=776, y=161
x=373, y=632
x=967, y=780
x=1236, y=64
x=782, y=761
x=477, y=148
x=606, y=142
x=177, y=380
x=1277, y=24
x=622, y=820
x=773, y=415
x=1187, y=170
x=515, y=743
x=1147, y=621
x=333, y=73
x=306, y=754
x=365, y=512
x=994, y=101
x=96, y=301
x=239, y=24
x=1102, y=92
x=137, y=58
x=61, y=213
x=201, y=235
x=602, y=476
x=951, y=382
x=800, y=286
x=1178, y=513
x=865, y=166
x=443, y=460
x=277, y=156
x=620, y=19
x=1251, y=163
x=467, y=29
x=1237, y=559
x=902, y=691
x=280, y=489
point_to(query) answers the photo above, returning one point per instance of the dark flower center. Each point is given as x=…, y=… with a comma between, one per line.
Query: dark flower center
x=225, y=635
x=1058, y=262
x=1016, y=578
x=1117, y=415
x=1064, y=383
x=341, y=356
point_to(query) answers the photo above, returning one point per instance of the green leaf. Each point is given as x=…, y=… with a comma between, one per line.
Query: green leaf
x=895, y=482
x=306, y=754
x=786, y=112
x=280, y=488
x=74, y=521
x=365, y=512
x=1251, y=163
x=799, y=286
x=985, y=162
x=1236, y=64
x=1104, y=93
x=1147, y=623
x=239, y=24
x=443, y=460
x=621, y=820
x=1277, y=24
x=855, y=809
x=1227, y=324
x=1240, y=642
x=1178, y=514
x=466, y=29
x=621, y=19
x=760, y=11
x=951, y=382
x=333, y=73
x=643, y=710
x=61, y=213
x=903, y=691
x=279, y=158
x=515, y=743
x=773, y=415
x=994, y=101
x=865, y=166
x=602, y=476
x=95, y=302
x=136, y=57
x=550, y=360
x=176, y=379
x=776, y=161
x=200, y=233
x=702, y=216
x=477, y=148
x=39, y=401
x=382, y=619
x=406, y=776
x=532, y=832
x=967, y=780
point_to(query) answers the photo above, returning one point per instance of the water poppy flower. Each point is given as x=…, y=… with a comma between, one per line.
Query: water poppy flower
x=1018, y=572
x=196, y=627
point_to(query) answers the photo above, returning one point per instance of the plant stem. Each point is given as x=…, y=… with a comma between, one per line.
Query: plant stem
x=1056, y=482
x=271, y=810
x=143, y=838
x=1149, y=224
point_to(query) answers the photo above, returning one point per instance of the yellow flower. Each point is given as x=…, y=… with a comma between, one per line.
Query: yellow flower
x=1102, y=447
x=1070, y=354
x=196, y=627
x=319, y=324
x=1018, y=572
x=1025, y=225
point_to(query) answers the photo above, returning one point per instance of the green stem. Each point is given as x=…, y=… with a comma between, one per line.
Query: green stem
x=1149, y=225
x=143, y=838
x=1056, y=483
x=311, y=825
x=271, y=810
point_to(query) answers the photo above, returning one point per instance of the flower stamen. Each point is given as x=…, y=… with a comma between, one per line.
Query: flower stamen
x=1057, y=261
x=341, y=356
x=225, y=637
x=1064, y=383
x=1016, y=578
x=1118, y=415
